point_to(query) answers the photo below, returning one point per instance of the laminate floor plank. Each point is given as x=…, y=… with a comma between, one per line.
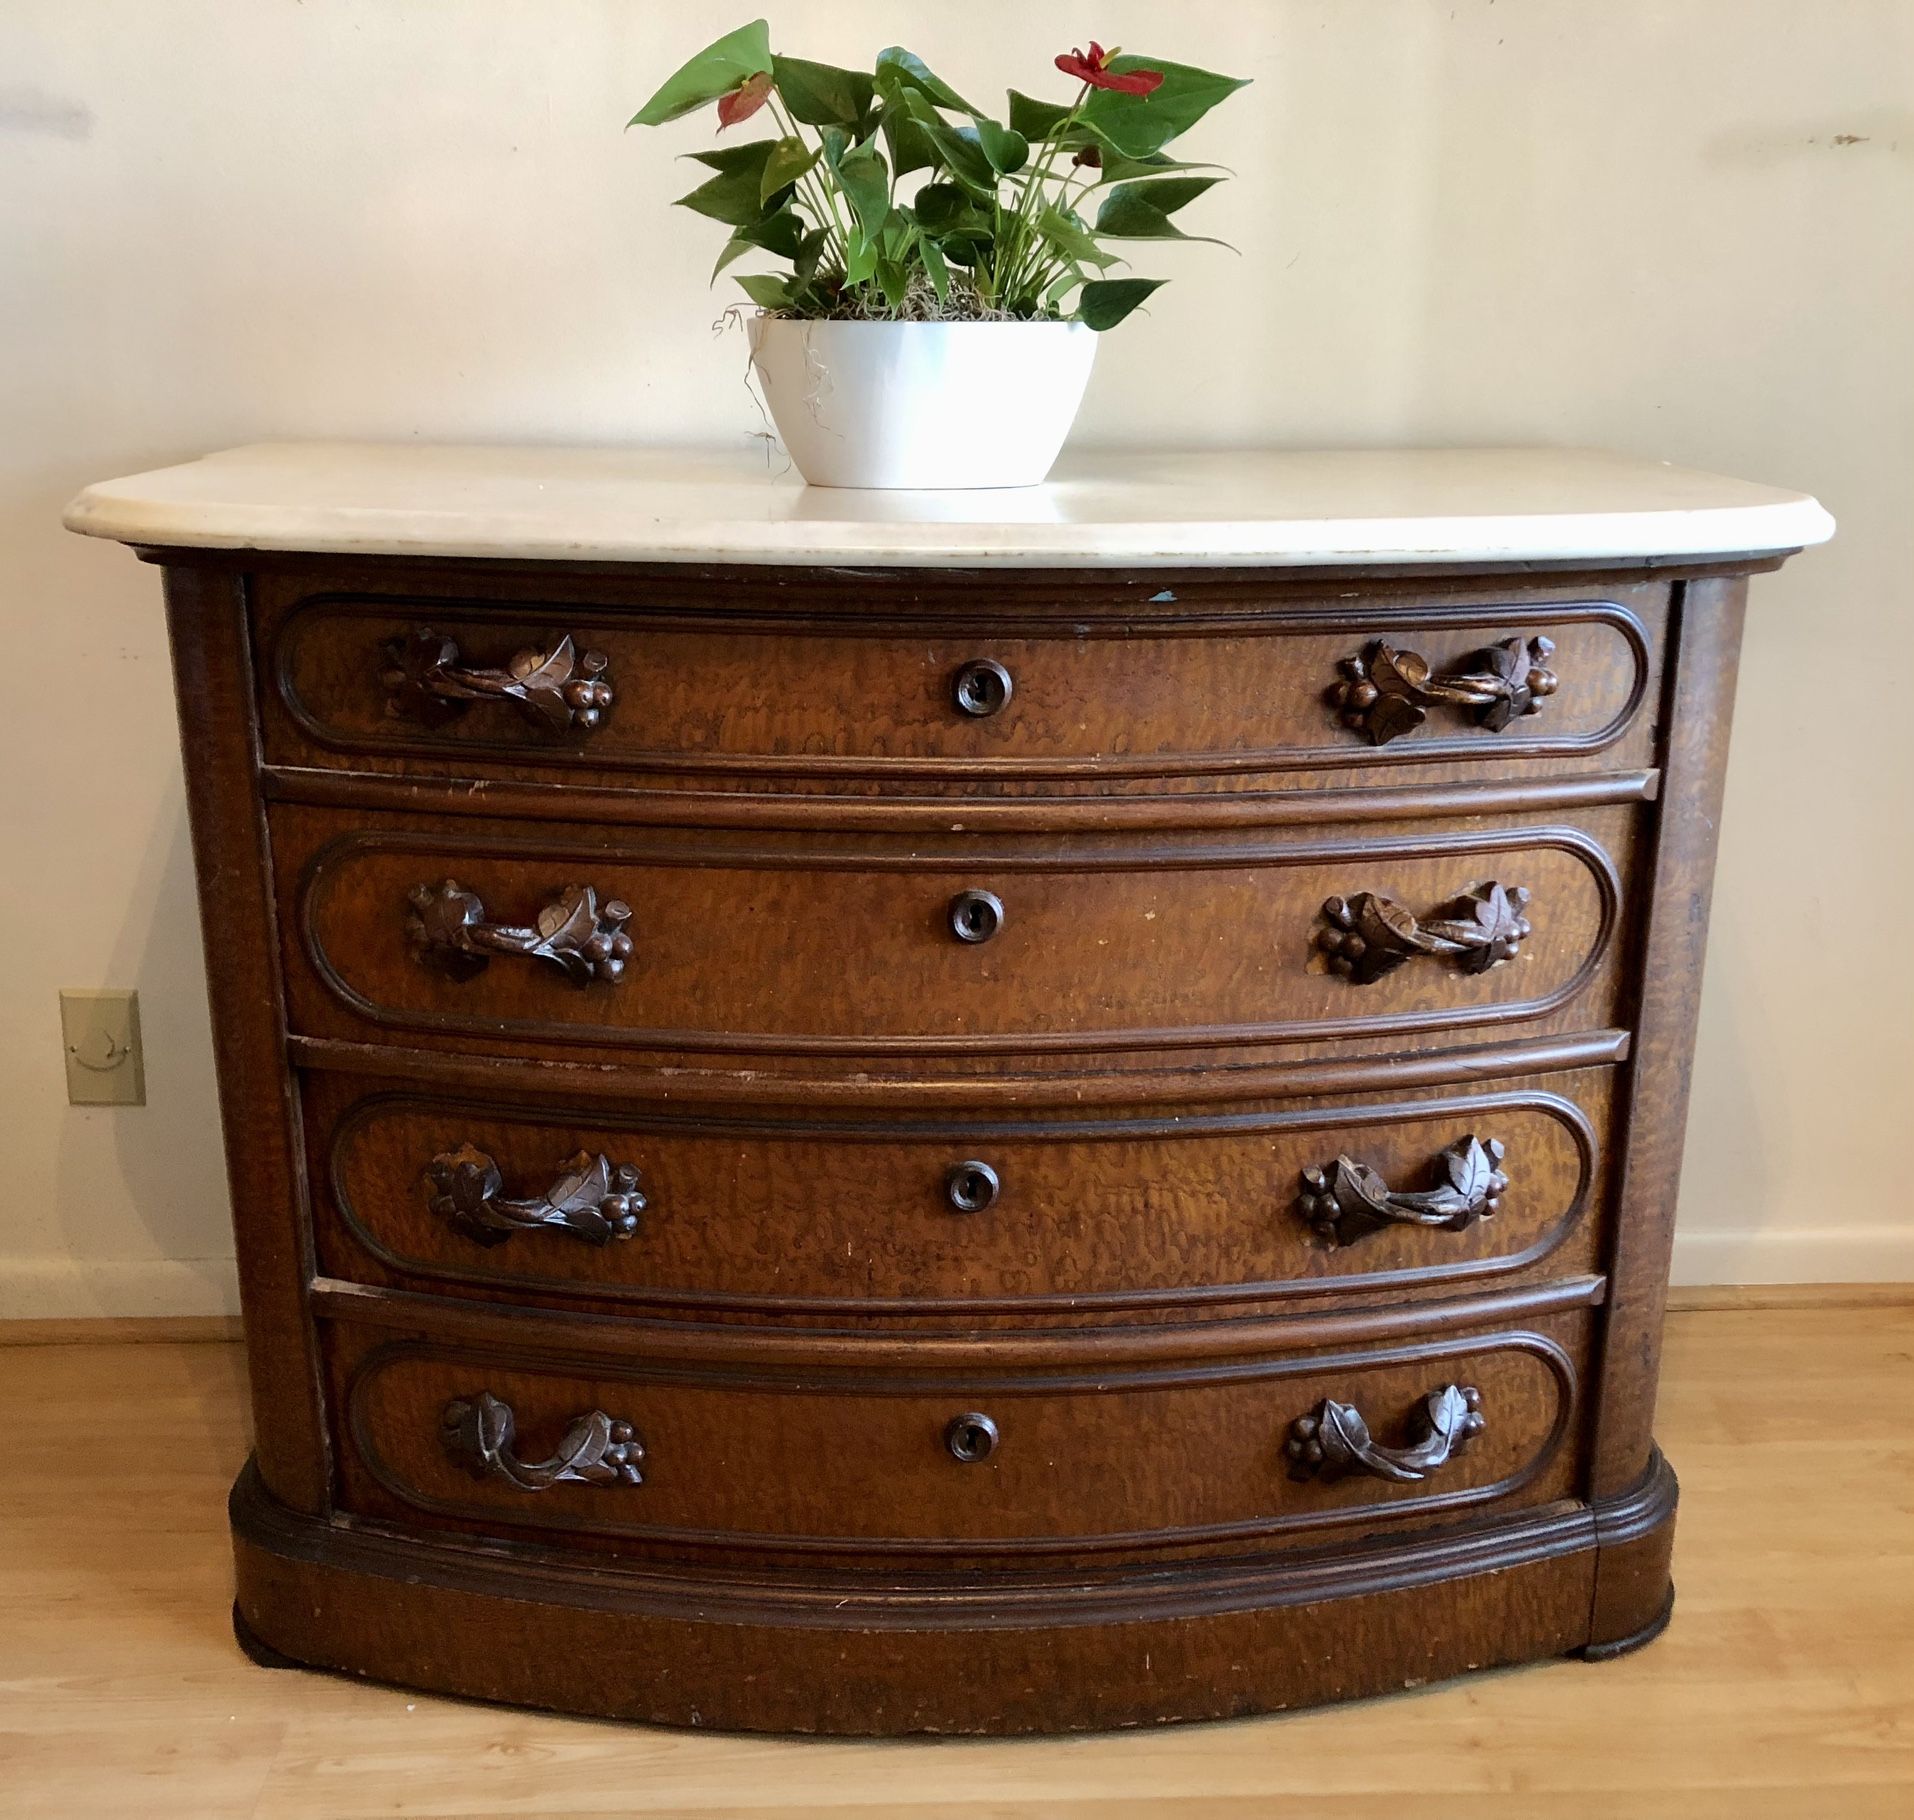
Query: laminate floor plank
x=1783, y=1691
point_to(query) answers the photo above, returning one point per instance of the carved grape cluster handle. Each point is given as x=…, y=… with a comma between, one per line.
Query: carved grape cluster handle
x=593, y=1199
x=427, y=680
x=1345, y=1200
x=1367, y=936
x=587, y=942
x=479, y=1433
x=1386, y=693
x=1334, y=1440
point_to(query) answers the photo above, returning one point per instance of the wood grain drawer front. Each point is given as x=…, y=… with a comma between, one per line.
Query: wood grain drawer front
x=691, y=944
x=459, y=686
x=1134, y=1457
x=1011, y=1217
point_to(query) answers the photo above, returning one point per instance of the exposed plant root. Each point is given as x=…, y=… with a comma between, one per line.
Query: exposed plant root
x=920, y=304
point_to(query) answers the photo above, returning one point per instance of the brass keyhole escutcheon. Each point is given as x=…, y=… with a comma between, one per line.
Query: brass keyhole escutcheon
x=971, y=1438
x=975, y=916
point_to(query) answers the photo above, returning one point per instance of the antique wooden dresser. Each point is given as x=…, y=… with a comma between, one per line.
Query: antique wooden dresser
x=980, y=1112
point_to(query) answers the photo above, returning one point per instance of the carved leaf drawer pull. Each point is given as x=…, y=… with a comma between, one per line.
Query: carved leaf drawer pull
x=1334, y=1440
x=426, y=680
x=1386, y=693
x=595, y=1450
x=1346, y=1199
x=587, y=941
x=593, y=1199
x=1369, y=935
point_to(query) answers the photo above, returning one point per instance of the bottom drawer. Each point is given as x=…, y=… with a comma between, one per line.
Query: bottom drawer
x=886, y=1456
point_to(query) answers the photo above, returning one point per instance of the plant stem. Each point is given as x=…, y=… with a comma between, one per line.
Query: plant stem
x=827, y=217
x=1012, y=260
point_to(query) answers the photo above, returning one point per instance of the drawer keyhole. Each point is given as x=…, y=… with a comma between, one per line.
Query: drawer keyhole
x=971, y=1187
x=971, y=1438
x=975, y=916
x=981, y=688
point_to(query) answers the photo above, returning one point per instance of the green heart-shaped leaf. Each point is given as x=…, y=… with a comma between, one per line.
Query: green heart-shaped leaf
x=1071, y=238
x=1138, y=125
x=1106, y=301
x=1140, y=211
x=1007, y=149
x=957, y=147
x=944, y=208
x=1035, y=119
x=821, y=94
x=732, y=197
x=861, y=259
x=933, y=260
x=748, y=155
x=898, y=69
x=788, y=161
x=910, y=146
x=766, y=290
x=716, y=70
x=1164, y=194
x=866, y=179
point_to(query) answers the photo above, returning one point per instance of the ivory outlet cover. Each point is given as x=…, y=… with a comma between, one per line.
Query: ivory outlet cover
x=104, y=1066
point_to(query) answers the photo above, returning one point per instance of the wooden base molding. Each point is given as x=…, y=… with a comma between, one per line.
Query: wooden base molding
x=985, y=1653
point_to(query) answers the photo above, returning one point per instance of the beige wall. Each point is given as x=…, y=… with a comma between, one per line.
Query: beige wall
x=1676, y=227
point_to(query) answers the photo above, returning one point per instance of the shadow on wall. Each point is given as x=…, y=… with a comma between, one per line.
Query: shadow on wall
x=163, y=1161
x=1727, y=1094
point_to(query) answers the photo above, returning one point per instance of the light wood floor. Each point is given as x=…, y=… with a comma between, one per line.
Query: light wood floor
x=1785, y=1687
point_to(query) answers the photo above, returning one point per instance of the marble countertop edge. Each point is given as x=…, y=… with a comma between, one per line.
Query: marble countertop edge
x=1270, y=509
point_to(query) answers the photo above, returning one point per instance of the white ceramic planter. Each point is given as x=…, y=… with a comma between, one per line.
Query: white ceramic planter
x=922, y=404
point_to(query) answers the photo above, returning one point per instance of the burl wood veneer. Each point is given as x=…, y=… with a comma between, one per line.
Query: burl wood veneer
x=1042, y=1111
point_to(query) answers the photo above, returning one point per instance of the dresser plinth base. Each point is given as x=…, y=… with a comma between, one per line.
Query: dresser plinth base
x=1204, y=1640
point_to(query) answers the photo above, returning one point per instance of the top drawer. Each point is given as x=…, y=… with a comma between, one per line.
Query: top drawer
x=461, y=686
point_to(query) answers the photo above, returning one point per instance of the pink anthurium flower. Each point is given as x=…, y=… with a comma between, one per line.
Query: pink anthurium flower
x=744, y=100
x=1093, y=67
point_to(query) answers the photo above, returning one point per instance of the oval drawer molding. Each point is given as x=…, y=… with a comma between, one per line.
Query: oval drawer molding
x=770, y=947
x=480, y=1434
x=1059, y=1462
x=846, y=1217
x=592, y=1198
x=908, y=694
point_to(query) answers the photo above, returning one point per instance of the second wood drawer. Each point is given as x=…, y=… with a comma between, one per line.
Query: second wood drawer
x=839, y=945
x=1202, y=1204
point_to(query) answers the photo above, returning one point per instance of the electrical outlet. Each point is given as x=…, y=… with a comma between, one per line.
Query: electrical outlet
x=104, y=1065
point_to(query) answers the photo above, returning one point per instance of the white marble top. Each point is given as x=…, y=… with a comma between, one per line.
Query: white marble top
x=1184, y=510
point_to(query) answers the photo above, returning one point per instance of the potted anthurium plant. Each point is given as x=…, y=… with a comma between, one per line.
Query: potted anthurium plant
x=944, y=274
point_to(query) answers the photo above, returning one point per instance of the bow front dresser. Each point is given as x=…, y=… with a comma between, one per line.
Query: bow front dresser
x=992, y=1112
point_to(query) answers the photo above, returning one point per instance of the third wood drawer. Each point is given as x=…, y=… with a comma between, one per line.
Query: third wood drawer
x=1195, y=1205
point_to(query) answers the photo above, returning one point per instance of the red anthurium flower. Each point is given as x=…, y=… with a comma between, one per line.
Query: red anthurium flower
x=744, y=100
x=1093, y=67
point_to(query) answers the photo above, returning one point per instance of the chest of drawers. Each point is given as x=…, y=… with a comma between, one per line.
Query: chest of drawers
x=866, y=1114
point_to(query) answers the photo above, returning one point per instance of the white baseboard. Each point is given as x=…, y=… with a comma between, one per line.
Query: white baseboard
x=68, y=1289
x=1797, y=1254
